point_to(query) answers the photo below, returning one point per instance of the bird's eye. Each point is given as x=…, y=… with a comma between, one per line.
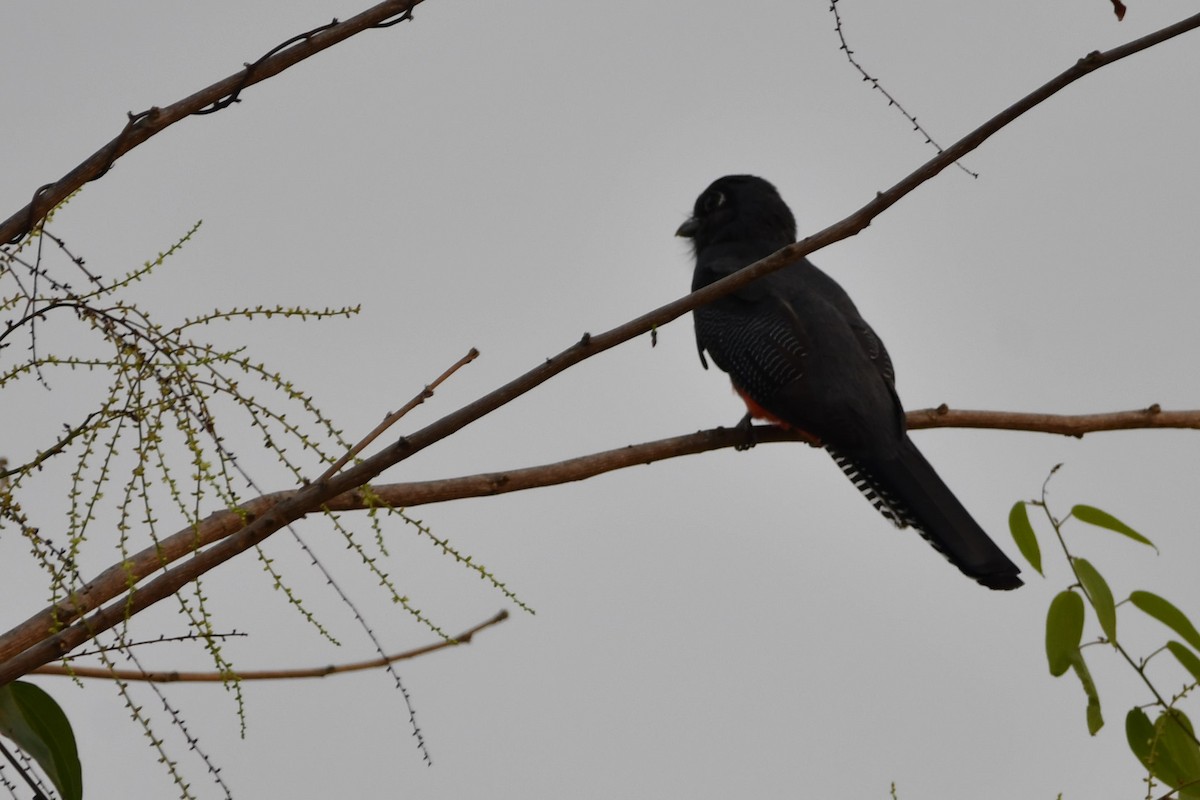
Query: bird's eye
x=712, y=201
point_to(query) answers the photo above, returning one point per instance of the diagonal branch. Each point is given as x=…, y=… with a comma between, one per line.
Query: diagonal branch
x=221, y=94
x=43, y=639
x=395, y=416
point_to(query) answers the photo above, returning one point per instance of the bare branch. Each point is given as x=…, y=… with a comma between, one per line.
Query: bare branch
x=407, y=495
x=143, y=125
x=1065, y=424
x=394, y=417
x=174, y=676
x=43, y=638
x=840, y=29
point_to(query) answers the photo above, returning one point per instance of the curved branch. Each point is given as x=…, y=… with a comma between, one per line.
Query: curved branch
x=174, y=676
x=43, y=638
x=142, y=126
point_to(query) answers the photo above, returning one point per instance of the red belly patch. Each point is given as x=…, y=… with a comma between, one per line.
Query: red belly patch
x=758, y=412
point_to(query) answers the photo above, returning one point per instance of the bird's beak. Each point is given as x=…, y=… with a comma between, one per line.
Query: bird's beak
x=688, y=229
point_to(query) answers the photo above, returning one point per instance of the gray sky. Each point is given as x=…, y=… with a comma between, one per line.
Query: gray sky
x=507, y=176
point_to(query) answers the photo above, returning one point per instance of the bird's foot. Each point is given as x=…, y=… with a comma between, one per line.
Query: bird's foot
x=810, y=439
x=746, y=426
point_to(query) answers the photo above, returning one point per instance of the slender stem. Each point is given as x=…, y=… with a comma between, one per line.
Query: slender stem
x=172, y=676
x=37, y=792
x=394, y=417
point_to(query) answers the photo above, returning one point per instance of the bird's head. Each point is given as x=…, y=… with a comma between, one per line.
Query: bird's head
x=740, y=209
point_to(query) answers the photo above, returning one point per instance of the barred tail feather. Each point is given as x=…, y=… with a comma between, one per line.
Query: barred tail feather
x=907, y=491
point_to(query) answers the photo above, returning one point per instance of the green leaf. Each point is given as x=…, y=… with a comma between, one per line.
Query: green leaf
x=1139, y=732
x=1167, y=614
x=1064, y=629
x=1186, y=657
x=1102, y=519
x=1095, y=720
x=1023, y=535
x=1179, y=751
x=1101, y=596
x=1166, y=748
x=32, y=719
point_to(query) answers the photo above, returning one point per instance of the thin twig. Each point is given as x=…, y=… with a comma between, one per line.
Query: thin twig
x=29, y=779
x=187, y=637
x=392, y=418
x=840, y=29
x=173, y=676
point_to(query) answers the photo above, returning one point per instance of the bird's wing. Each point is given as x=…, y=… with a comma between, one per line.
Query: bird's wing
x=873, y=347
x=762, y=351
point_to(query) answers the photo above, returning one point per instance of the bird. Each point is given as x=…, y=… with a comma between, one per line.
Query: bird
x=801, y=356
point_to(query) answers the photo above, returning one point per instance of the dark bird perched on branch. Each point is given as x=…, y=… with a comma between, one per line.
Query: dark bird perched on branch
x=801, y=356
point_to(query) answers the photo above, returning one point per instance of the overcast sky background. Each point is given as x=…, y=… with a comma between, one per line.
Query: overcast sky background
x=508, y=176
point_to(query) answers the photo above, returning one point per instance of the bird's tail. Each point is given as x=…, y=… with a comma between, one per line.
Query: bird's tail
x=906, y=490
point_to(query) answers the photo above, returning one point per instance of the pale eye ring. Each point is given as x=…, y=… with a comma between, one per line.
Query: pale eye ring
x=712, y=201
